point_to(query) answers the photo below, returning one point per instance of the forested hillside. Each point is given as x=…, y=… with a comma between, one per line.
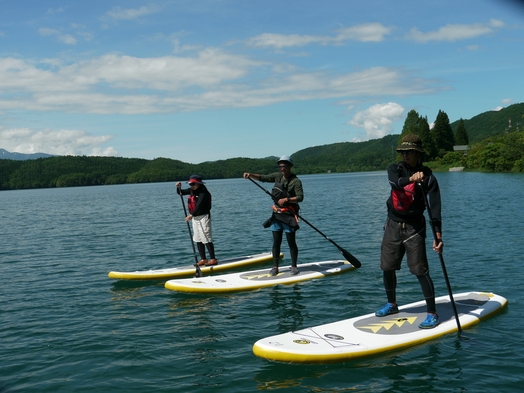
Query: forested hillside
x=494, y=146
x=348, y=156
x=493, y=123
x=72, y=171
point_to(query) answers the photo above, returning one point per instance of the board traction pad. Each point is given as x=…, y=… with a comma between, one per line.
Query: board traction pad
x=405, y=321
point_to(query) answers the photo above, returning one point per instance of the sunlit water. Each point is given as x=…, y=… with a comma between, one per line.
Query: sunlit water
x=65, y=326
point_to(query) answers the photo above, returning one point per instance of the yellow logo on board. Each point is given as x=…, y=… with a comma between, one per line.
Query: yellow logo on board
x=302, y=341
x=259, y=276
x=388, y=324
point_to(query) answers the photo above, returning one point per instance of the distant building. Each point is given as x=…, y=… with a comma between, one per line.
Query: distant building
x=463, y=148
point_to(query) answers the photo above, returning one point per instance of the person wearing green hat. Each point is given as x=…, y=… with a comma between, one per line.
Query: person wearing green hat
x=405, y=228
x=287, y=193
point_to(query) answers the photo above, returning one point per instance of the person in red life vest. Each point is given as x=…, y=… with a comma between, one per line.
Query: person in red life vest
x=405, y=228
x=199, y=206
x=287, y=193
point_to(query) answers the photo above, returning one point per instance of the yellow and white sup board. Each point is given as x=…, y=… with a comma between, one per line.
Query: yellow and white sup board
x=256, y=279
x=370, y=335
x=189, y=270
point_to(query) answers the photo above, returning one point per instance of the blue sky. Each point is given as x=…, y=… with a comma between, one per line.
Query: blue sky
x=202, y=80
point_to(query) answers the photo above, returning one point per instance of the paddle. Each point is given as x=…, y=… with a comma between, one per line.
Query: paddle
x=350, y=258
x=437, y=241
x=198, y=271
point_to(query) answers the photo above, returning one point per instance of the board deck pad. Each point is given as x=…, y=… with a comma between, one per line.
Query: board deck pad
x=371, y=335
x=256, y=279
x=190, y=270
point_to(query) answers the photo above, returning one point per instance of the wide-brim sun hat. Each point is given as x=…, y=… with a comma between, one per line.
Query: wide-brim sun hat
x=411, y=142
x=195, y=179
x=285, y=159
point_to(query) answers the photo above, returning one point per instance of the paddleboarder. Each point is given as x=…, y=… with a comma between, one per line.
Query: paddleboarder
x=405, y=228
x=199, y=206
x=287, y=193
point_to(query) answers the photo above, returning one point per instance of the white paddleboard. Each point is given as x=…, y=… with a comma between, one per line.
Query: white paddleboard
x=370, y=335
x=190, y=270
x=258, y=278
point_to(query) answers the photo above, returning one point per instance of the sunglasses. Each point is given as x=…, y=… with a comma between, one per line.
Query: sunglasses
x=282, y=166
x=406, y=152
x=193, y=184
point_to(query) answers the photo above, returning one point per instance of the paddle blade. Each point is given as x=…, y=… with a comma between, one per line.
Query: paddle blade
x=350, y=258
x=198, y=272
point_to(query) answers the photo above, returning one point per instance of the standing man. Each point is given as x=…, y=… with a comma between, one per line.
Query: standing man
x=199, y=206
x=405, y=229
x=287, y=192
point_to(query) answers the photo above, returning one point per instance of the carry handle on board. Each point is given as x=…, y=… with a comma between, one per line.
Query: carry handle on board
x=198, y=271
x=347, y=255
x=444, y=271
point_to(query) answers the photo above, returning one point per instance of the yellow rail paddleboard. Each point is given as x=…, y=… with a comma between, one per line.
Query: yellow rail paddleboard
x=258, y=278
x=189, y=270
x=370, y=335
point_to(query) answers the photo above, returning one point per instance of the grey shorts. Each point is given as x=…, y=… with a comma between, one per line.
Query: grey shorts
x=403, y=238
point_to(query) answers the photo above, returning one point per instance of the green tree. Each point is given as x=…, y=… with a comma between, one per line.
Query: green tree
x=461, y=136
x=442, y=134
x=427, y=141
x=498, y=154
x=411, y=124
x=416, y=124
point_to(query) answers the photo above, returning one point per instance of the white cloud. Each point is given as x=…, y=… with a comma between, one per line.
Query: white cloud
x=65, y=38
x=47, y=31
x=505, y=102
x=132, y=13
x=211, y=79
x=378, y=119
x=52, y=11
x=455, y=32
x=280, y=41
x=60, y=142
x=86, y=35
x=369, y=32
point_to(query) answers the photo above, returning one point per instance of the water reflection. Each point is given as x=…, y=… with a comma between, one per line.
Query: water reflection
x=131, y=290
x=287, y=307
x=273, y=376
x=183, y=303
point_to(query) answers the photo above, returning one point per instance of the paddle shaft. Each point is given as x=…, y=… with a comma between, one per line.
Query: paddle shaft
x=347, y=255
x=444, y=271
x=198, y=271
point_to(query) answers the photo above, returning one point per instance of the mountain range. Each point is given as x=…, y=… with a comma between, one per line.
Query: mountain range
x=6, y=155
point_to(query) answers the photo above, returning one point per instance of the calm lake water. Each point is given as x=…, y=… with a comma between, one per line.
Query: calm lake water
x=66, y=327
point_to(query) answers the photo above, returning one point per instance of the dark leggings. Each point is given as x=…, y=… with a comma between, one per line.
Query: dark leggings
x=426, y=283
x=202, y=250
x=291, y=241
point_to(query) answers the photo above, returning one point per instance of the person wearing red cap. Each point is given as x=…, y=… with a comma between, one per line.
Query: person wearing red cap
x=405, y=228
x=199, y=206
x=287, y=192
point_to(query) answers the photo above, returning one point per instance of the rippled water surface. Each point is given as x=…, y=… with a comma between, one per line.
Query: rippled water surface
x=65, y=326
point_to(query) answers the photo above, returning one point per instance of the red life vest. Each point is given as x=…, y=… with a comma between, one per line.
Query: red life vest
x=403, y=198
x=191, y=203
